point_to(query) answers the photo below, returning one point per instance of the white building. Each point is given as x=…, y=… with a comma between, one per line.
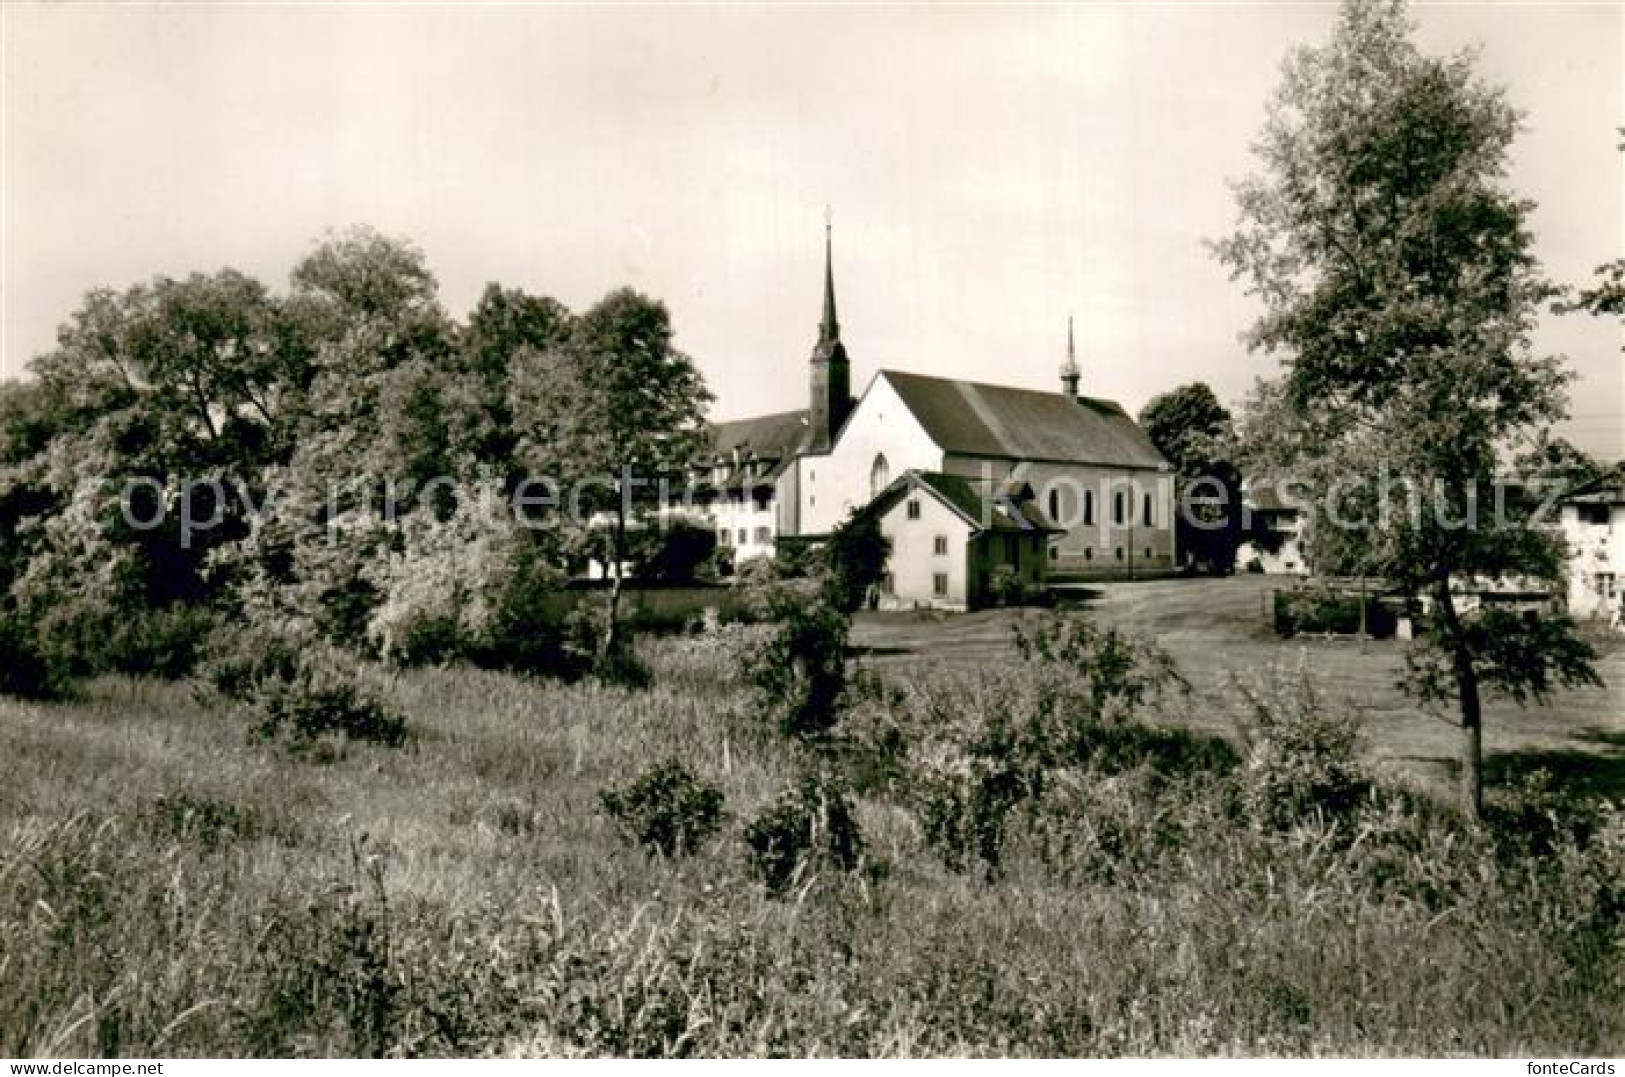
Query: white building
x=1091, y=470
x=1593, y=523
x=955, y=545
x=1276, y=519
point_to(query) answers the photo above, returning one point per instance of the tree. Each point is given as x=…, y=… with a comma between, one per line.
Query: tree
x=612, y=413
x=1190, y=427
x=855, y=560
x=505, y=325
x=1399, y=290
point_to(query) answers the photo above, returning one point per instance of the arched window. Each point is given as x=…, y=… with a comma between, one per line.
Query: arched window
x=1149, y=520
x=1088, y=506
x=1054, y=505
x=879, y=475
x=1117, y=508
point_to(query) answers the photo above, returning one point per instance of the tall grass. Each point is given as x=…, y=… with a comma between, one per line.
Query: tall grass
x=171, y=886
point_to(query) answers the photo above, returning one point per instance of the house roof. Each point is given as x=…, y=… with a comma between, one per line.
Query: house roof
x=975, y=419
x=773, y=439
x=1268, y=496
x=984, y=508
x=1605, y=489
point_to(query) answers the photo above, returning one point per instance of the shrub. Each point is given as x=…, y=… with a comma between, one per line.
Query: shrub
x=666, y=809
x=809, y=827
x=1321, y=611
x=322, y=700
x=242, y=662
x=1004, y=586
x=166, y=642
x=26, y=671
x=1302, y=756
x=801, y=672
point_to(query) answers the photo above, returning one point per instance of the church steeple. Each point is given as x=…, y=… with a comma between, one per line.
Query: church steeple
x=831, y=373
x=829, y=330
x=1069, y=370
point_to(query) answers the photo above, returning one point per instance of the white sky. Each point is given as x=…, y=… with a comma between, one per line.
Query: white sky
x=991, y=169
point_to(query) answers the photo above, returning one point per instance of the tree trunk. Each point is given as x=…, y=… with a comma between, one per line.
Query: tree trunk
x=1472, y=711
x=612, y=634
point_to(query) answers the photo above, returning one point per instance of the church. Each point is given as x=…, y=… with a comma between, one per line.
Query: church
x=981, y=488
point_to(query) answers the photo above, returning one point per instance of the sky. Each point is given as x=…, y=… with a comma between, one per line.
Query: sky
x=990, y=170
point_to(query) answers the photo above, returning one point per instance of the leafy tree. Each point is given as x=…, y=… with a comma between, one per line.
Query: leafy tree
x=1399, y=289
x=855, y=560
x=506, y=325
x=1190, y=427
x=611, y=414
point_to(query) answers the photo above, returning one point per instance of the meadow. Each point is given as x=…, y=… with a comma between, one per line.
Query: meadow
x=1187, y=884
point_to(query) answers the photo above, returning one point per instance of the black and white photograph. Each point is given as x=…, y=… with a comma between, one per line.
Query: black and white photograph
x=811, y=530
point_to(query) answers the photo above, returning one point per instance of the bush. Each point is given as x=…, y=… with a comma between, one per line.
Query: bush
x=1302, y=756
x=1328, y=612
x=807, y=828
x=800, y=674
x=666, y=809
x=26, y=671
x=167, y=642
x=321, y=702
x=1004, y=586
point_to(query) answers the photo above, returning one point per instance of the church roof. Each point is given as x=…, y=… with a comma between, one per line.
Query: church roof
x=975, y=419
x=985, y=509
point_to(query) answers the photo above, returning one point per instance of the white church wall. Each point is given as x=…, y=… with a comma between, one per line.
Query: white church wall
x=833, y=484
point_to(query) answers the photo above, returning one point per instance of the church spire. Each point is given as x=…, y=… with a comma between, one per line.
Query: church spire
x=831, y=373
x=829, y=330
x=1069, y=371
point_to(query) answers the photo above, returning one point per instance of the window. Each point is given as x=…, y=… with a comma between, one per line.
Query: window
x=1054, y=553
x=939, y=584
x=1088, y=553
x=1147, y=513
x=1119, y=553
x=722, y=536
x=913, y=508
x=879, y=474
x=1054, y=505
x=1148, y=553
x=888, y=584
x=1117, y=508
x=939, y=545
x=1605, y=584
x=1593, y=514
x=744, y=536
x=763, y=499
x=1088, y=506
x=764, y=535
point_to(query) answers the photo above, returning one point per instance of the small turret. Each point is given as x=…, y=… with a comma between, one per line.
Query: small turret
x=1070, y=374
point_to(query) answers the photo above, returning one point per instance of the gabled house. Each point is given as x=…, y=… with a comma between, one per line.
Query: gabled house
x=958, y=544
x=1592, y=519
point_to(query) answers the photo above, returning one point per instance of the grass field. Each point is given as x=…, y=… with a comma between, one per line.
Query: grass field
x=1217, y=629
x=169, y=886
